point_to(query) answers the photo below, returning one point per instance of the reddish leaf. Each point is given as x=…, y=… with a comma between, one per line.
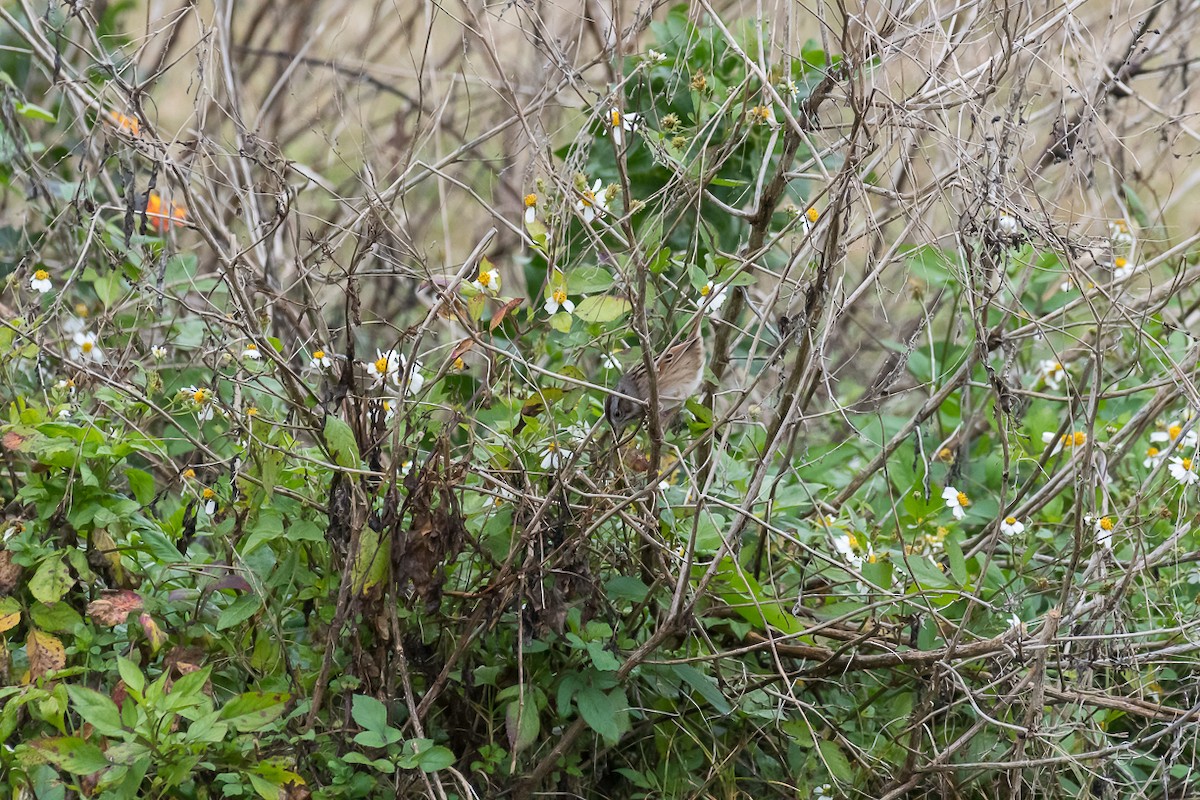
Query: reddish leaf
x=153, y=632
x=10, y=573
x=12, y=440
x=112, y=608
x=499, y=316
x=461, y=348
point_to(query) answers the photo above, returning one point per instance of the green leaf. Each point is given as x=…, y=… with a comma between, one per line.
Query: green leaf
x=522, y=722
x=32, y=111
x=705, y=685
x=96, y=708
x=240, y=610
x=339, y=438
x=838, y=766
x=141, y=484
x=73, y=754
x=436, y=758
x=131, y=675
x=368, y=712
x=602, y=308
x=589, y=280
x=51, y=581
x=250, y=711
x=381, y=764
x=267, y=528
x=958, y=564
x=561, y=322
x=600, y=711
x=56, y=618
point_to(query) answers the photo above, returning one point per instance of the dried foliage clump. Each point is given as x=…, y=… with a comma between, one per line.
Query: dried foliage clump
x=308, y=317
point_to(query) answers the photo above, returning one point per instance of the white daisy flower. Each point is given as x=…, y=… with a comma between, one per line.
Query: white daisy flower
x=558, y=299
x=40, y=282
x=1181, y=470
x=210, y=501
x=610, y=361
x=530, y=207
x=592, y=203
x=1104, y=530
x=1052, y=373
x=1174, y=433
x=487, y=281
x=655, y=57
x=1118, y=231
x=1007, y=223
x=809, y=219
x=159, y=352
x=251, y=352
x=1068, y=440
x=554, y=456
x=320, y=360
x=85, y=348
x=1122, y=269
x=415, y=379
x=386, y=366
x=621, y=122
x=67, y=385
x=956, y=501
x=712, y=297
x=847, y=548
x=1011, y=526
x=1153, y=458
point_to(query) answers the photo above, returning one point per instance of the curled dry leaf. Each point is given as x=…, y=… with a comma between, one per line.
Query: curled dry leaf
x=111, y=608
x=10, y=573
x=45, y=652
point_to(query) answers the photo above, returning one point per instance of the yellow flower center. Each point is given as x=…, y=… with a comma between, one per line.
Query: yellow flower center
x=251, y=411
x=1106, y=523
x=1010, y=520
x=251, y=347
x=387, y=406
x=1187, y=464
x=812, y=215
x=318, y=354
x=86, y=347
x=459, y=363
x=189, y=473
x=1120, y=262
x=41, y=275
x=81, y=310
x=485, y=278
x=208, y=494
x=530, y=200
x=1174, y=431
x=706, y=290
x=198, y=395
x=70, y=383
x=381, y=365
x=1152, y=452
x=589, y=199
x=852, y=541
x=560, y=296
x=615, y=118
x=946, y=454
x=963, y=500
x=1080, y=438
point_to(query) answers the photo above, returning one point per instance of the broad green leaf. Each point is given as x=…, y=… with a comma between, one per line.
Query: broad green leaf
x=368, y=712
x=51, y=581
x=240, y=610
x=371, y=562
x=602, y=308
x=58, y=617
x=33, y=111
x=73, y=754
x=131, y=675
x=339, y=438
x=141, y=484
x=836, y=761
x=435, y=758
x=250, y=711
x=522, y=723
x=588, y=280
x=600, y=711
x=96, y=708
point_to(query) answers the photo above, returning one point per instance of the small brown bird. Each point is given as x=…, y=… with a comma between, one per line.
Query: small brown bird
x=679, y=372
